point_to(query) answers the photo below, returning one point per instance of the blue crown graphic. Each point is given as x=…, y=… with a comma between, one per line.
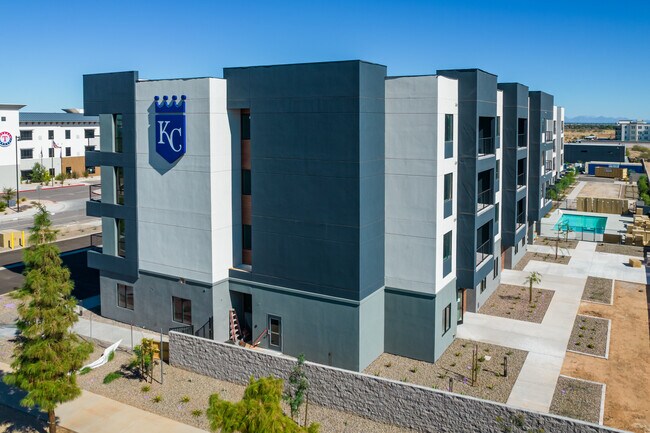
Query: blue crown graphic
x=170, y=107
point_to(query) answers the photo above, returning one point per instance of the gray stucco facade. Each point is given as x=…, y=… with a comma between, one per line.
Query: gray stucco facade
x=587, y=152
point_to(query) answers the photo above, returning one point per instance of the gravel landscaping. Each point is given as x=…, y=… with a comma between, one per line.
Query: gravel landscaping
x=541, y=257
x=511, y=302
x=568, y=244
x=589, y=336
x=577, y=399
x=456, y=363
x=625, y=250
x=598, y=290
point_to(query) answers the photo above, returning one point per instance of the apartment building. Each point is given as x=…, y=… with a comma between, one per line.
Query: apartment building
x=632, y=130
x=331, y=209
x=558, y=135
x=58, y=141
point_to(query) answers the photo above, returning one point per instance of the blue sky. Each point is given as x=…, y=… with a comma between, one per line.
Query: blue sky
x=592, y=55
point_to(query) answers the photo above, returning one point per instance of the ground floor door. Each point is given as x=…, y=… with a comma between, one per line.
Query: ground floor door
x=242, y=303
x=460, y=305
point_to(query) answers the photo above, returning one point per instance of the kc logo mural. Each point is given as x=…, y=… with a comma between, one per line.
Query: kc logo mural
x=5, y=139
x=170, y=127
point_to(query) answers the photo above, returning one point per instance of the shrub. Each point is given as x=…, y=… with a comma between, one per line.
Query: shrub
x=145, y=388
x=85, y=370
x=111, y=356
x=112, y=376
x=157, y=399
x=3, y=206
x=185, y=399
x=60, y=177
x=85, y=173
x=197, y=413
x=75, y=175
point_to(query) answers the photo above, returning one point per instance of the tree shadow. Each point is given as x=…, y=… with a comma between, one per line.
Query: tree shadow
x=19, y=418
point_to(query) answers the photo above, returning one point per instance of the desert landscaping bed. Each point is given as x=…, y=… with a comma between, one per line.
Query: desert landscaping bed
x=512, y=302
x=624, y=250
x=598, y=290
x=577, y=399
x=551, y=242
x=456, y=363
x=589, y=336
x=541, y=257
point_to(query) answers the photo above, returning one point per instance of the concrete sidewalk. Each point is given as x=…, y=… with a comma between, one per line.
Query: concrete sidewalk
x=92, y=413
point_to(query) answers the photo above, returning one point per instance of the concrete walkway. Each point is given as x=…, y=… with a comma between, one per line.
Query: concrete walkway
x=546, y=342
x=574, y=194
x=92, y=413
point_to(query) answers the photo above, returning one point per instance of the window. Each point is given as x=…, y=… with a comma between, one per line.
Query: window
x=498, y=170
x=3, y=119
x=121, y=237
x=496, y=213
x=449, y=127
x=446, y=319
x=496, y=267
x=246, y=125
x=449, y=186
x=89, y=133
x=117, y=133
x=67, y=134
x=498, y=126
x=50, y=153
x=119, y=185
x=246, y=237
x=90, y=148
x=68, y=151
x=483, y=284
x=26, y=153
x=182, y=310
x=50, y=134
x=52, y=172
x=25, y=135
x=125, y=296
x=68, y=170
x=246, y=182
x=516, y=247
x=275, y=333
x=90, y=169
x=460, y=297
x=446, y=246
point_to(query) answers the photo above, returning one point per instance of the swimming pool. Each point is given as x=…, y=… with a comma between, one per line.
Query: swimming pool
x=582, y=223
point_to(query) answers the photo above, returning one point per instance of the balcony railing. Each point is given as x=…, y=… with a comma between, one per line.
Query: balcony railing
x=485, y=146
x=449, y=149
x=483, y=252
x=484, y=199
x=548, y=166
x=521, y=219
x=95, y=192
x=521, y=140
x=521, y=180
x=121, y=247
x=548, y=136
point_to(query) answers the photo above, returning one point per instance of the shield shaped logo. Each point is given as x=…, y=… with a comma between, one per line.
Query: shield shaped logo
x=170, y=127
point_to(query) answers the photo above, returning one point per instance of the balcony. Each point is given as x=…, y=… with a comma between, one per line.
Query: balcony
x=521, y=220
x=483, y=252
x=95, y=192
x=522, y=140
x=521, y=180
x=484, y=199
x=548, y=136
x=449, y=149
x=548, y=166
x=485, y=146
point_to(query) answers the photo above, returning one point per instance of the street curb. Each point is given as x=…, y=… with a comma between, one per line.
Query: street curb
x=46, y=188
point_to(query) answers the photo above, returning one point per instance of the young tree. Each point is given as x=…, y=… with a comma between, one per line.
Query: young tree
x=297, y=387
x=8, y=194
x=533, y=278
x=40, y=173
x=47, y=353
x=258, y=411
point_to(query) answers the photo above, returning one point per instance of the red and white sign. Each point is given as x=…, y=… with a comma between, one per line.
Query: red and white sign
x=5, y=139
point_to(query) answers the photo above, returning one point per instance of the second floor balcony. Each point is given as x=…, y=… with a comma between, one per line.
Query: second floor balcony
x=484, y=199
x=521, y=180
x=548, y=165
x=522, y=140
x=485, y=146
x=483, y=252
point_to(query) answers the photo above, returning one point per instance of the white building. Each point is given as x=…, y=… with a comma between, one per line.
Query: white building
x=558, y=140
x=58, y=141
x=632, y=130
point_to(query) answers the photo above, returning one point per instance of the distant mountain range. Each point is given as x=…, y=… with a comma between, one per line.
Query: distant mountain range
x=592, y=119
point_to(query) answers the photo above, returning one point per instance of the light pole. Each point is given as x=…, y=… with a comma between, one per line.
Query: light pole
x=17, y=178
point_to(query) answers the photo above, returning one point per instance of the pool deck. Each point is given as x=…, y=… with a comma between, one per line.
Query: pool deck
x=615, y=223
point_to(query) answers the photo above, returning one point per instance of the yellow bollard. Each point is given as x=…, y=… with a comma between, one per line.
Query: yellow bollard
x=22, y=234
x=12, y=240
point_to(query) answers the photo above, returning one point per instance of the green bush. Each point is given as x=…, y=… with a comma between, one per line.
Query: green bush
x=112, y=376
x=75, y=175
x=85, y=370
x=3, y=206
x=643, y=185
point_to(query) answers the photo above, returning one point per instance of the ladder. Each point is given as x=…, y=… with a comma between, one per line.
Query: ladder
x=235, y=330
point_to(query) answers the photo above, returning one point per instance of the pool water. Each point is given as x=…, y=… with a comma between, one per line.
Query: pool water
x=582, y=223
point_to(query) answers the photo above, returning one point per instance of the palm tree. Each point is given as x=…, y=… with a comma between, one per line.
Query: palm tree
x=533, y=278
x=8, y=194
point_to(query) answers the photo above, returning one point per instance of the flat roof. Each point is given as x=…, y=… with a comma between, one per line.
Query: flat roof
x=56, y=117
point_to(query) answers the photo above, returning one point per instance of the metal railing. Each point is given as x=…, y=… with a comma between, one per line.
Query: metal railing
x=483, y=252
x=206, y=331
x=485, y=146
x=521, y=140
x=548, y=166
x=95, y=192
x=548, y=136
x=521, y=180
x=449, y=149
x=521, y=219
x=484, y=199
x=187, y=329
x=121, y=247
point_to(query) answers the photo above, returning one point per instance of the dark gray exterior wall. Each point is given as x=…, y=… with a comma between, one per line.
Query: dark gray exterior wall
x=579, y=152
x=317, y=147
x=104, y=94
x=515, y=107
x=541, y=109
x=477, y=97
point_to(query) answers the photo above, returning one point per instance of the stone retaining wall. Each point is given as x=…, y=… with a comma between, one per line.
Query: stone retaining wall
x=376, y=398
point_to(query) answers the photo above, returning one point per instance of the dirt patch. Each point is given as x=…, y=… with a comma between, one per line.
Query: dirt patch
x=577, y=399
x=456, y=363
x=598, y=290
x=602, y=190
x=541, y=257
x=512, y=302
x=565, y=244
x=626, y=372
x=624, y=250
x=589, y=336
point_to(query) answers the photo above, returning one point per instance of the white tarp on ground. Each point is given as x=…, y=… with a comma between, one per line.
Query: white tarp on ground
x=104, y=358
